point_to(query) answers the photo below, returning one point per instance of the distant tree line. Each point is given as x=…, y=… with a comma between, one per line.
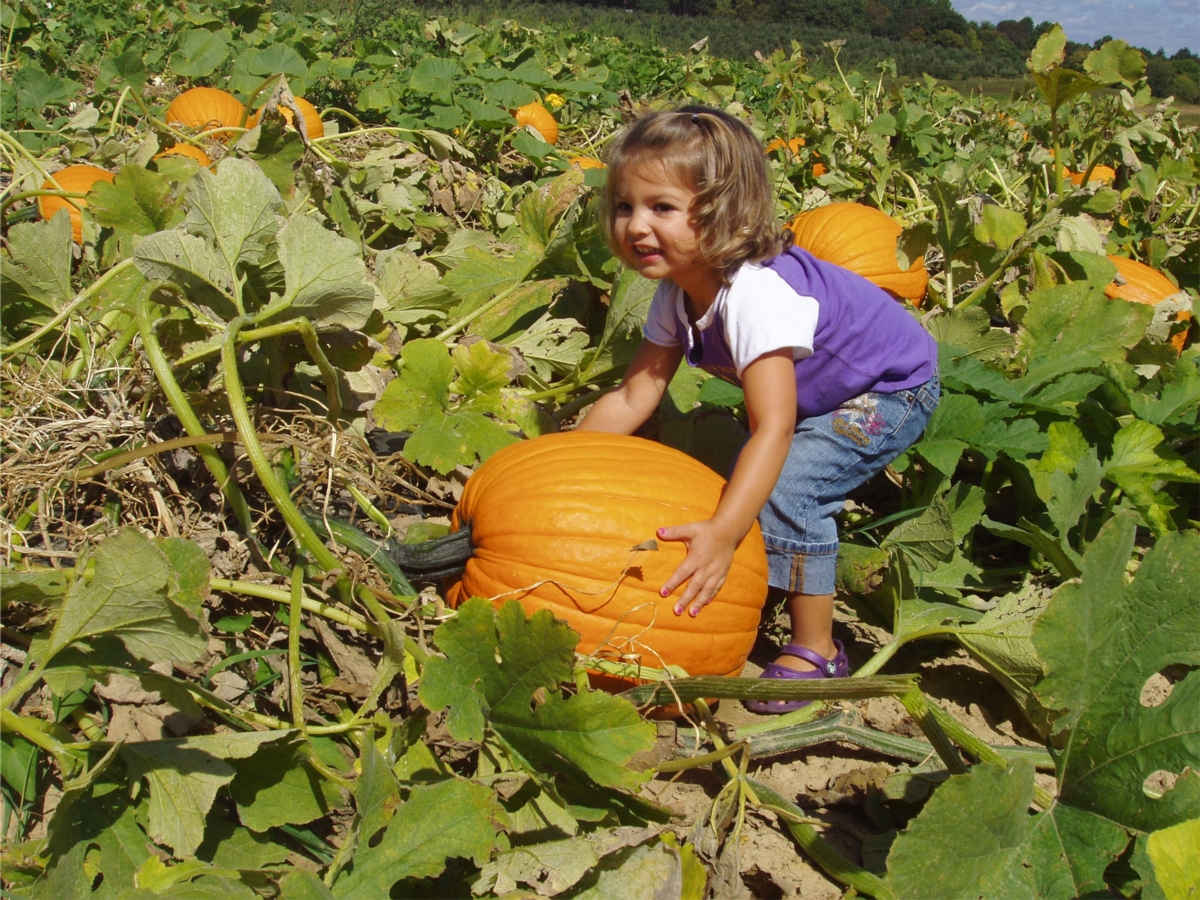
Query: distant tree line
x=922, y=36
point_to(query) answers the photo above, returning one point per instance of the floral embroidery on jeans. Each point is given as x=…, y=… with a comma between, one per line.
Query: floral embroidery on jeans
x=859, y=419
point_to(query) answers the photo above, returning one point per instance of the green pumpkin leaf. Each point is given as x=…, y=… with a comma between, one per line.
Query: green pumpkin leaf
x=1137, y=465
x=434, y=75
x=184, y=776
x=1101, y=639
x=975, y=837
x=438, y=822
x=279, y=59
x=1115, y=61
x=481, y=275
x=192, y=263
x=129, y=66
x=1002, y=642
x=507, y=94
x=234, y=208
x=1074, y=327
x=496, y=661
x=483, y=114
x=138, y=201
x=35, y=269
x=999, y=227
x=482, y=372
x=1176, y=864
x=125, y=596
x=200, y=52
x=540, y=211
x=325, y=276
x=35, y=89
x=276, y=787
x=461, y=438
x=421, y=392
x=928, y=538
x=955, y=423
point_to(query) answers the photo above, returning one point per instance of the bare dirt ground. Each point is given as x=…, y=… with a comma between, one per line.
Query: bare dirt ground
x=833, y=782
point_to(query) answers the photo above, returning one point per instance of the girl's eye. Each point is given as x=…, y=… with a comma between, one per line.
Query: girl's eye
x=664, y=207
x=623, y=208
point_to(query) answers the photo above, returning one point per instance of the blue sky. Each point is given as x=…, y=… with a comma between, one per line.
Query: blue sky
x=1169, y=24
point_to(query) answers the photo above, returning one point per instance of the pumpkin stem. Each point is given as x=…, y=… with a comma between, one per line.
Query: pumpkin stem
x=436, y=558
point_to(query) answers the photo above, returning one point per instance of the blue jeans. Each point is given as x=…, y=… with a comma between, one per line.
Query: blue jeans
x=830, y=456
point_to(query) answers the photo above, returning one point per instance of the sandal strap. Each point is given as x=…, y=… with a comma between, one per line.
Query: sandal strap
x=827, y=667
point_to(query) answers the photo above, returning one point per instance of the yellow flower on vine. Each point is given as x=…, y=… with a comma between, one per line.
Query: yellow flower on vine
x=554, y=101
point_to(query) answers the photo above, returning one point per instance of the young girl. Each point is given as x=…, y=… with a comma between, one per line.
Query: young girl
x=839, y=378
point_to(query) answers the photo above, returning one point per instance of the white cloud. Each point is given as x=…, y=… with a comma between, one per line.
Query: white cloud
x=1169, y=24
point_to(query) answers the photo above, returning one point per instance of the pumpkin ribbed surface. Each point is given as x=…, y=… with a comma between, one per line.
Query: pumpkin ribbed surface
x=205, y=108
x=1142, y=283
x=539, y=117
x=570, y=507
x=1146, y=285
x=74, y=180
x=312, y=118
x=863, y=240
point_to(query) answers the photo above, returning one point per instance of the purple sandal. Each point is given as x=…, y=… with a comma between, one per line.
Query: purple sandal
x=838, y=667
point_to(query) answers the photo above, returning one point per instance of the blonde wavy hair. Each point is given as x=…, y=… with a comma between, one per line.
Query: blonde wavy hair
x=720, y=159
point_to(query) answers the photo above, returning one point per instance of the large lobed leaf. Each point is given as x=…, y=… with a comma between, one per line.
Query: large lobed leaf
x=438, y=822
x=128, y=596
x=496, y=661
x=1100, y=640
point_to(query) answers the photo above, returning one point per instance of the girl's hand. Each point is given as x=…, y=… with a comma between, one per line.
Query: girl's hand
x=709, y=556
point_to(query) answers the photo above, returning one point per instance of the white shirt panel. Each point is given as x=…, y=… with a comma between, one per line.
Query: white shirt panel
x=759, y=310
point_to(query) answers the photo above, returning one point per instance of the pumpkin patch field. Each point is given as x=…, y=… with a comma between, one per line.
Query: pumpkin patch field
x=310, y=590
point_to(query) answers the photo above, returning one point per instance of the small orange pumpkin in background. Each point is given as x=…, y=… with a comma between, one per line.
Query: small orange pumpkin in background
x=792, y=144
x=312, y=118
x=539, y=117
x=586, y=162
x=863, y=240
x=818, y=170
x=206, y=108
x=74, y=180
x=189, y=150
x=1145, y=285
x=1100, y=175
x=554, y=521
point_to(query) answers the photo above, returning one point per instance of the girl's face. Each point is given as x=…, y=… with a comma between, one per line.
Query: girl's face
x=651, y=225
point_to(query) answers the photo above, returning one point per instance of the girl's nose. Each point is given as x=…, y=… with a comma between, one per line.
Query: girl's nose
x=638, y=220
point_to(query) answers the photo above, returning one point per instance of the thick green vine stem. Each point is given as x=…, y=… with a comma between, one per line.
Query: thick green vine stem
x=833, y=863
x=296, y=688
x=689, y=689
x=179, y=403
x=258, y=459
x=920, y=709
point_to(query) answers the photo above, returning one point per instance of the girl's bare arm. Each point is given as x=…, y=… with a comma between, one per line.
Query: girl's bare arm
x=770, y=388
x=625, y=409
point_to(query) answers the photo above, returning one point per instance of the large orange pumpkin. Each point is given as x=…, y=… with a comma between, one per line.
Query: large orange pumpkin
x=205, y=108
x=1145, y=285
x=74, y=180
x=539, y=117
x=554, y=521
x=312, y=118
x=863, y=240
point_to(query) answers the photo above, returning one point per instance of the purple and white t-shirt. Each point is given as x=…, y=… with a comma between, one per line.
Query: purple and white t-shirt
x=847, y=336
